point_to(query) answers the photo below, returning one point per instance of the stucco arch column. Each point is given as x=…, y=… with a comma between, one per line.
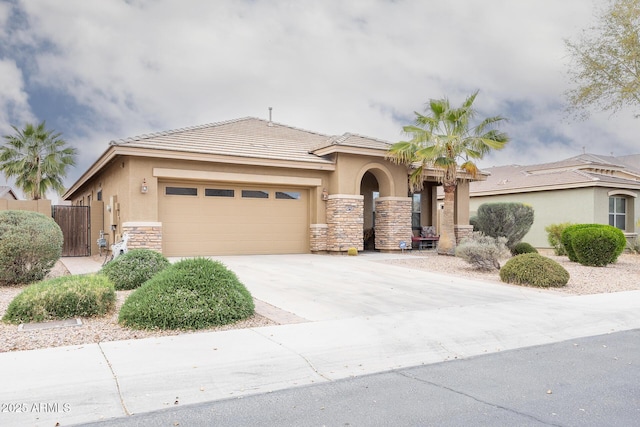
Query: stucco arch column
x=345, y=221
x=461, y=211
x=393, y=223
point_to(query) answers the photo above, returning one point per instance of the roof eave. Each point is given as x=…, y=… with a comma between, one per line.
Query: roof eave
x=345, y=149
x=535, y=189
x=119, y=150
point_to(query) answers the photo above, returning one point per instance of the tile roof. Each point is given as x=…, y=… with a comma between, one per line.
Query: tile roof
x=354, y=140
x=245, y=137
x=586, y=170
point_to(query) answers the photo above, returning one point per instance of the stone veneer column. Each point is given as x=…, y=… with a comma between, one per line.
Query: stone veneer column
x=393, y=223
x=318, y=237
x=144, y=235
x=462, y=231
x=345, y=222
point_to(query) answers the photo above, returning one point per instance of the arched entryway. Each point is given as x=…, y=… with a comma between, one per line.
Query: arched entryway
x=370, y=191
x=386, y=217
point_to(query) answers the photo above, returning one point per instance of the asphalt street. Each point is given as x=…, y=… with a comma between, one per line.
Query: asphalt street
x=593, y=381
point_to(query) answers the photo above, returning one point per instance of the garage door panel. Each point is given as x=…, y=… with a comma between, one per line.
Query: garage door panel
x=206, y=225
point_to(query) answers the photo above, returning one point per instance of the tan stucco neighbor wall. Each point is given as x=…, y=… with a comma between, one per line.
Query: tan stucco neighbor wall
x=393, y=223
x=42, y=206
x=345, y=221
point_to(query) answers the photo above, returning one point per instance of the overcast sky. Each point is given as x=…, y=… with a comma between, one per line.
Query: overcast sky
x=108, y=69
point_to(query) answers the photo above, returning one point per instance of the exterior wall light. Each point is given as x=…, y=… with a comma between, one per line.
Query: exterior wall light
x=144, y=187
x=325, y=194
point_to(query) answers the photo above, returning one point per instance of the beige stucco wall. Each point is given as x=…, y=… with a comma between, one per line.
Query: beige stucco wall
x=350, y=169
x=552, y=207
x=121, y=182
x=43, y=205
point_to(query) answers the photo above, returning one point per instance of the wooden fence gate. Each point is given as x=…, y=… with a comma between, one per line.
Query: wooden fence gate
x=75, y=224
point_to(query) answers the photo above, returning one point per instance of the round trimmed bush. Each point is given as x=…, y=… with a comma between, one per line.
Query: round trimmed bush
x=30, y=245
x=586, y=246
x=523, y=248
x=597, y=246
x=63, y=298
x=193, y=293
x=567, y=235
x=533, y=269
x=132, y=269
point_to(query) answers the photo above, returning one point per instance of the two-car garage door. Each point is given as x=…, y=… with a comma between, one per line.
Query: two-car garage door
x=222, y=219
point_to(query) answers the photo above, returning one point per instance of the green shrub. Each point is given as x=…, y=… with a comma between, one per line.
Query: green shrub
x=482, y=252
x=510, y=220
x=534, y=270
x=190, y=294
x=523, y=248
x=63, y=298
x=132, y=269
x=567, y=234
x=30, y=245
x=570, y=231
x=554, y=237
x=597, y=246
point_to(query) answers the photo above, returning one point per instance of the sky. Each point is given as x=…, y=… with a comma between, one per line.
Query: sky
x=103, y=70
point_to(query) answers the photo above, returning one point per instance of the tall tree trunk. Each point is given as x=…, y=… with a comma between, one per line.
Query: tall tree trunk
x=447, y=241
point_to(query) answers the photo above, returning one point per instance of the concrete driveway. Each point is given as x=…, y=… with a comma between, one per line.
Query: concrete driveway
x=320, y=288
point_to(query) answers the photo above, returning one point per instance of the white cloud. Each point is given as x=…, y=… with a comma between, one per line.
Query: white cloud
x=330, y=66
x=14, y=105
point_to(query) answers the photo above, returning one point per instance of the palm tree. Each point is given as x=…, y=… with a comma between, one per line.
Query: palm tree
x=38, y=158
x=441, y=139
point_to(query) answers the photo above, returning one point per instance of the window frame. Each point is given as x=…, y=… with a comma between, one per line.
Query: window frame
x=614, y=215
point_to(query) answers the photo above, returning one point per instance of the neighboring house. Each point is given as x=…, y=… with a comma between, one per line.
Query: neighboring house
x=587, y=188
x=251, y=186
x=6, y=193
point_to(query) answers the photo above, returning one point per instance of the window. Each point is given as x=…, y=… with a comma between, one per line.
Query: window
x=99, y=196
x=288, y=195
x=218, y=192
x=181, y=191
x=255, y=194
x=415, y=211
x=618, y=212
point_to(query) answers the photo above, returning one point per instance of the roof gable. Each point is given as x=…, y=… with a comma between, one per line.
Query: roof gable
x=245, y=137
x=586, y=170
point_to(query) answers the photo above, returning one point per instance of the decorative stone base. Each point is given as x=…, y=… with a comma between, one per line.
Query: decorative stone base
x=318, y=238
x=144, y=235
x=462, y=231
x=393, y=223
x=345, y=222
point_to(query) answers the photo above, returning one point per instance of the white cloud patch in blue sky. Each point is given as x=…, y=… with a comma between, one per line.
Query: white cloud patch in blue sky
x=98, y=71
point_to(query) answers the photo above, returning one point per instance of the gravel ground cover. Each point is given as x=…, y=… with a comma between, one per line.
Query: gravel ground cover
x=624, y=275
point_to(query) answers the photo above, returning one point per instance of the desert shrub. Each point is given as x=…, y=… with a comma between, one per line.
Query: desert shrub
x=30, y=245
x=482, y=252
x=523, y=248
x=597, y=246
x=132, y=269
x=567, y=234
x=534, y=270
x=63, y=298
x=510, y=220
x=570, y=231
x=352, y=251
x=554, y=237
x=193, y=293
x=473, y=221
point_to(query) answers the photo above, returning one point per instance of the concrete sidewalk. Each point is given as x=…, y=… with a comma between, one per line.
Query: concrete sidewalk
x=363, y=317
